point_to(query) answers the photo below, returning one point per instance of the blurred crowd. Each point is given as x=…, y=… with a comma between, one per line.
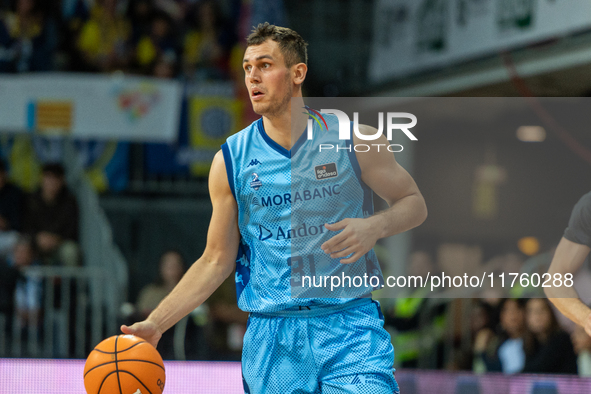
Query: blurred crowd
x=486, y=331
x=36, y=229
x=193, y=40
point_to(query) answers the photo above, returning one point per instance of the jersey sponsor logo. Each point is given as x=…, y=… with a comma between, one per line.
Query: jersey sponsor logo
x=356, y=380
x=255, y=183
x=253, y=162
x=301, y=231
x=325, y=171
x=264, y=233
x=300, y=196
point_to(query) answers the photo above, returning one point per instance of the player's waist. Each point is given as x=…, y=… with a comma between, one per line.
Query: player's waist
x=315, y=310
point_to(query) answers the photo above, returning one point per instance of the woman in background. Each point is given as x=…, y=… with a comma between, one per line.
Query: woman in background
x=505, y=351
x=550, y=349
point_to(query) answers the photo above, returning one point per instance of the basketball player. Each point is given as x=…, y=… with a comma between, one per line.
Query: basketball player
x=571, y=253
x=303, y=345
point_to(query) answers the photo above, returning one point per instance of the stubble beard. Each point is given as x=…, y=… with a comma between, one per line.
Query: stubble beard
x=277, y=108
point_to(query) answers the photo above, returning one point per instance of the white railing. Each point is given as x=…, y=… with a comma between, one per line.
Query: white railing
x=72, y=318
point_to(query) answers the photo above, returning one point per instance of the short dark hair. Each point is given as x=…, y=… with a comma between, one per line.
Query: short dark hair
x=291, y=44
x=55, y=169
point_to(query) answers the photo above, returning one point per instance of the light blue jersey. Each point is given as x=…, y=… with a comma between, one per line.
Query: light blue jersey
x=284, y=199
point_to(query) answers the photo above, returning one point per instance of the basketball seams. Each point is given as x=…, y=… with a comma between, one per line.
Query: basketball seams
x=120, y=351
x=103, y=382
x=117, y=366
x=136, y=378
x=122, y=361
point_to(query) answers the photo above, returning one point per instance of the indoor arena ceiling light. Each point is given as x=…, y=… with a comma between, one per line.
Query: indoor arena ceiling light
x=531, y=133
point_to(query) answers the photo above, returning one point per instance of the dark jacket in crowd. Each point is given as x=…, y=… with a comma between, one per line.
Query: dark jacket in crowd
x=60, y=218
x=554, y=356
x=8, y=280
x=12, y=202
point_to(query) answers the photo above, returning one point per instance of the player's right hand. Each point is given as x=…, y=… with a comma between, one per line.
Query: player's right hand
x=146, y=329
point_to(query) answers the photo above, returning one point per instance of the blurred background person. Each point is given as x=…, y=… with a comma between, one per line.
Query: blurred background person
x=550, y=349
x=9, y=277
x=205, y=55
x=503, y=351
x=582, y=346
x=28, y=38
x=52, y=219
x=171, y=270
x=158, y=43
x=28, y=293
x=104, y=38
x=12, y=201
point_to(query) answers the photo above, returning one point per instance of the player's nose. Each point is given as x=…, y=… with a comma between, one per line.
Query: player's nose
x=253, y=76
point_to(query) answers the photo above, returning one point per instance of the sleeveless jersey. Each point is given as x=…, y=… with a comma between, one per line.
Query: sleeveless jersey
x=284, y=198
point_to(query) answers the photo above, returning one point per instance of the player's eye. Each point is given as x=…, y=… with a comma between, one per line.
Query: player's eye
x=247, y=68
x=266, y=65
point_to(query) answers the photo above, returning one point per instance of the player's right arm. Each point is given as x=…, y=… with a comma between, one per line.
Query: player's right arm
x=568, y=258
x=209, y=271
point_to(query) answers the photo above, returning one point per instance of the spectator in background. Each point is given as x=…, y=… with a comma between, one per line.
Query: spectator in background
x=550, y=350
x=28, y=38
x=582, y=347
x=9, y=277
x=28, y=290
x=171, y=270
x=11, y=211
x=165, y=67
x=504, y=351
x=204, y=56
x=139, y=13
x=103, y=40
x=52, y=219
x=158, y=46
x=74, y=14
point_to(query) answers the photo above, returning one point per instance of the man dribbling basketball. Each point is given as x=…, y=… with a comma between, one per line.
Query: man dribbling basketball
x=303, y=345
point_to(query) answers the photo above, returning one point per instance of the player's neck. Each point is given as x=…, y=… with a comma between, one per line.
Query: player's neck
x=279, y=127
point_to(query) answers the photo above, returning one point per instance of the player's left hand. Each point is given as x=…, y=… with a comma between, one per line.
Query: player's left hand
x=358, y=236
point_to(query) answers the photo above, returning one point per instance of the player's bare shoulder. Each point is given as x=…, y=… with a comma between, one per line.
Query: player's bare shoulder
x=218, y=180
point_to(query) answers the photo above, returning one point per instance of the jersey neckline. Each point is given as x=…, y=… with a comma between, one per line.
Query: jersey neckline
x=275, y=146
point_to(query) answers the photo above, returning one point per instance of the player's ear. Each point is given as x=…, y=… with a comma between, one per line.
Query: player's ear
x=299, y=73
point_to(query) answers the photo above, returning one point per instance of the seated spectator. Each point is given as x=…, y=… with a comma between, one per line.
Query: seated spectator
x=103, y=40
x=28, y=290
x=172, y=268
x=11, y=211
x=582, y=346
x=158, y=44
x=204, y=56
x=551, y=350
x=74, y=14
x=28, y=39
x=9, y=277
x=140, y=12
x=505, y=350
x=52, y=219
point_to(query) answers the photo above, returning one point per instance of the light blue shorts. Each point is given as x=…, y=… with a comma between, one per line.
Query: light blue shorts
x=327, y=349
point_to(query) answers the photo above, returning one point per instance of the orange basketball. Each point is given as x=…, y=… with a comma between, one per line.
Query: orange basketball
x=124, y=364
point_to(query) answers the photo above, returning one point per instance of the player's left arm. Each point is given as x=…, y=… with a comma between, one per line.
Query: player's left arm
x=407, y=209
